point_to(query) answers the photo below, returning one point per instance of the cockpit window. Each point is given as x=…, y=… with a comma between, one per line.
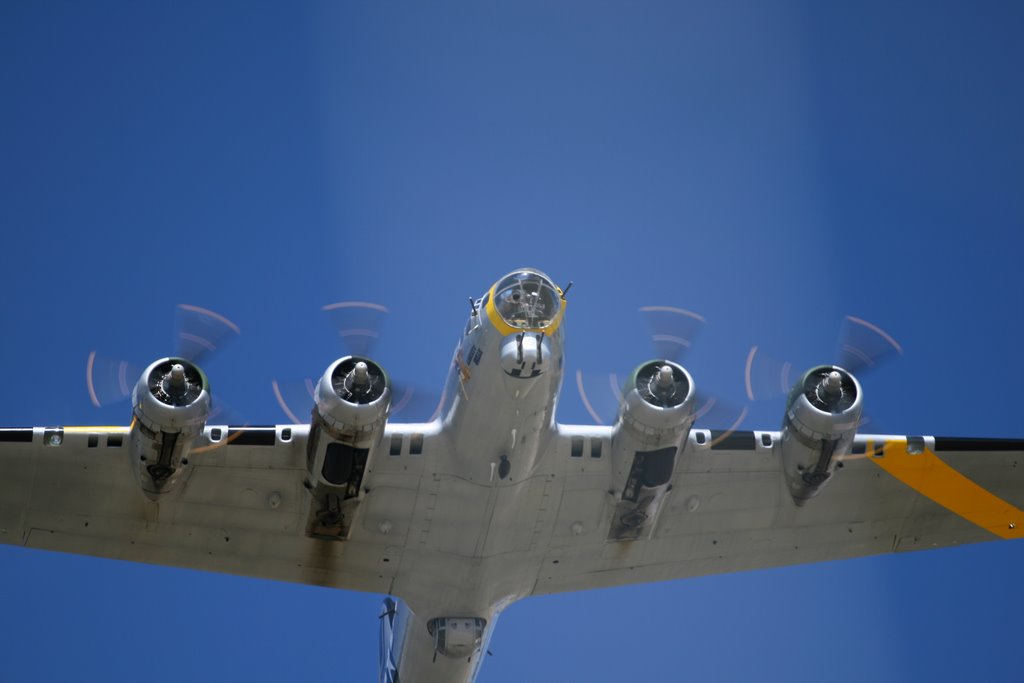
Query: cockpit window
x=527, y=300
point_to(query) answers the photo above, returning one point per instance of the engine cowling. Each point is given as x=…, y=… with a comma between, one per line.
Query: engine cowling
x=654, y=421
x=170, y=405
x=822, y=414
x=352, y=402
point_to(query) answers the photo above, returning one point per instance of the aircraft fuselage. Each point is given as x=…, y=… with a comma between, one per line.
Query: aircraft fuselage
x=496, y=424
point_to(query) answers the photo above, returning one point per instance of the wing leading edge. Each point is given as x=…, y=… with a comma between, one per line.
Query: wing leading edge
x=243, y=509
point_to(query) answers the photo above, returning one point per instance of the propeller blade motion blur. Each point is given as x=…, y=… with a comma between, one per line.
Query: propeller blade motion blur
x=673, y=330
x=481, y=497
x=109, y=380
x=600, y=394
x=862, y=347
x=357, y=324
x=295, y=397
x=201, y=332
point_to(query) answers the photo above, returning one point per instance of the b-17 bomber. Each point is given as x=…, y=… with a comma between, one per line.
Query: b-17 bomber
x=492, y=500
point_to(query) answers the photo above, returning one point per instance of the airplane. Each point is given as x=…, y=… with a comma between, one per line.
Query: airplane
x=493, y=500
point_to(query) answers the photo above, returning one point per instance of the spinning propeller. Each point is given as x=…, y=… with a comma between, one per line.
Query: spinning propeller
x=199, y=334
x=862, y=347
x=673, y=332
x=357, y=325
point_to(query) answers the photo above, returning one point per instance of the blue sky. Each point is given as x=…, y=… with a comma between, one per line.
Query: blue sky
x=773, y=167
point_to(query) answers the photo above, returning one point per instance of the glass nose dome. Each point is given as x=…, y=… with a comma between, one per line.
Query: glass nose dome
x=527, y=300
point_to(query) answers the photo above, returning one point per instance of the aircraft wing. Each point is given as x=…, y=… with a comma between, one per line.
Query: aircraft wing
x=729, y=510
x=242, y=508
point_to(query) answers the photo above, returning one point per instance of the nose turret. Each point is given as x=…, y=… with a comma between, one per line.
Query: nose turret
x=525, y=301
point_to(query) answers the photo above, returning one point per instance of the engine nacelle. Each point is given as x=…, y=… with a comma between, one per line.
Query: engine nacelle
x=822, y=414
x=170, y=404
x=654, y=421
x=352, y=402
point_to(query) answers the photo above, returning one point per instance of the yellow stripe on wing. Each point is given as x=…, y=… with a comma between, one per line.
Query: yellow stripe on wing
x=930, y=476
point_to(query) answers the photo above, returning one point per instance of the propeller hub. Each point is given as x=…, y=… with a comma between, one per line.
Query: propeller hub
x=661, y=384
x=357, y=380
x=664, y=378
x=830, y=389
x=360, y=375
x=176, y=384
